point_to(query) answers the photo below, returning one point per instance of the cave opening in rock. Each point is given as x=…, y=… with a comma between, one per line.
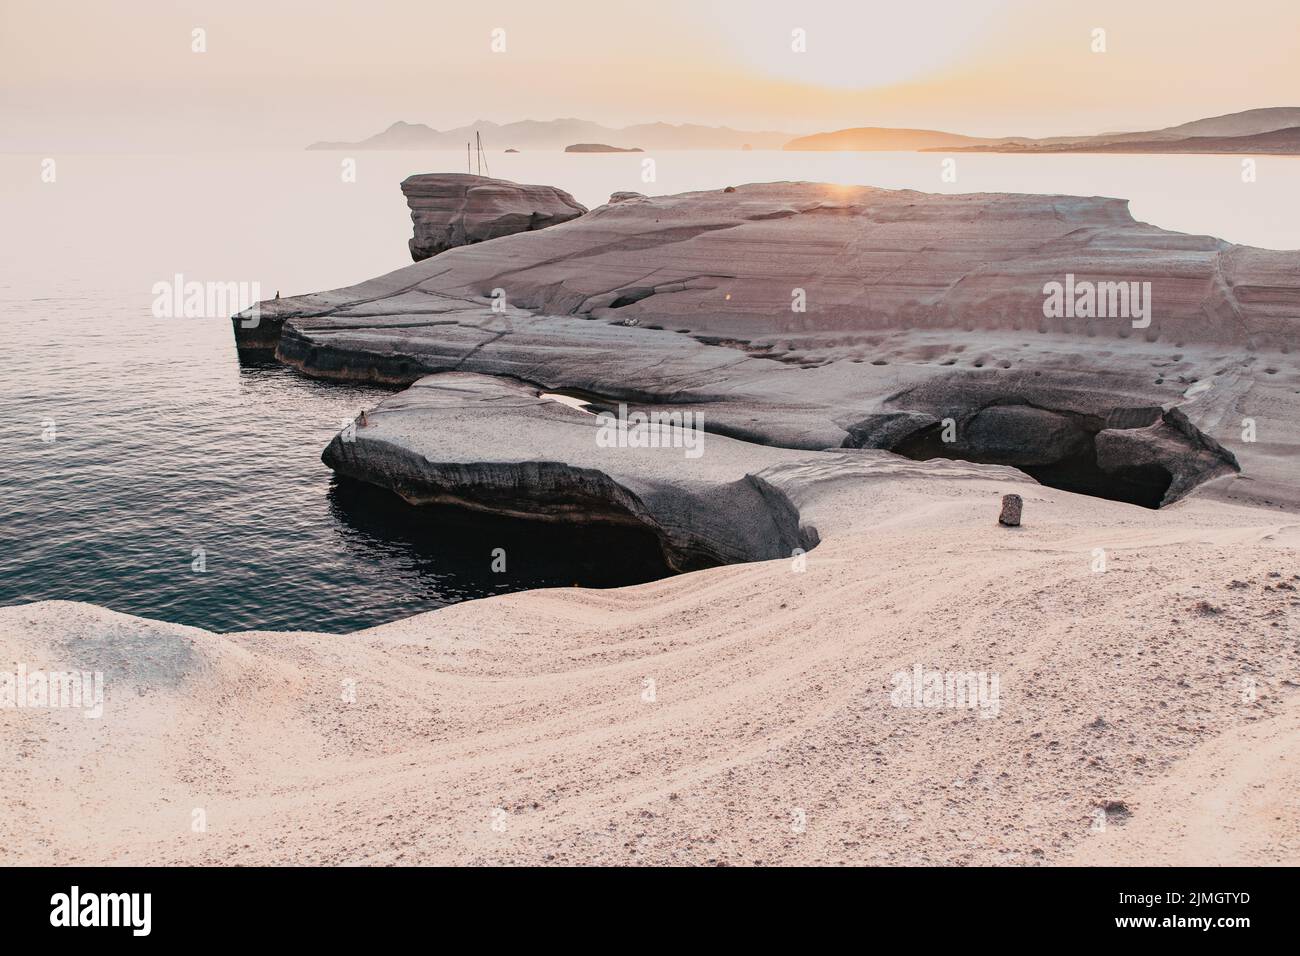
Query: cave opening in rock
x=630, y=297
x=457, y=554
x=1143, y=485
x=1075, y=471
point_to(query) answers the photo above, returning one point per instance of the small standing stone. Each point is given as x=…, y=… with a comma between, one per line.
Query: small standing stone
x=1011, y=505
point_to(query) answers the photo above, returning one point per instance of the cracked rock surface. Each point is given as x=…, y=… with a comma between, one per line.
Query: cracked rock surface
x=919, y=307
x=488, y=444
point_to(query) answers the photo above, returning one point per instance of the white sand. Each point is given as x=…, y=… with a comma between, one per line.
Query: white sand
x=772, y=705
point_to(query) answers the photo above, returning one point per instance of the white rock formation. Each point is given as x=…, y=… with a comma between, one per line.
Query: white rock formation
x=457, y=209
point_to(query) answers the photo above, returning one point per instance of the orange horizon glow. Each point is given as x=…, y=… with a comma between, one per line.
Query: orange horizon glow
x=281, y=75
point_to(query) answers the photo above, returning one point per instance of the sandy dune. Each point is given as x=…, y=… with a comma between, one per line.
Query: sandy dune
x=1231, y=801
x=518, y=730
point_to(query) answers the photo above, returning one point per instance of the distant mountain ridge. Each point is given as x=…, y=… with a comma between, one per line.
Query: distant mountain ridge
x=559, y=133
x=1267, y=130
x=1277, y=142
x=1251, y=131
x=1246, y=123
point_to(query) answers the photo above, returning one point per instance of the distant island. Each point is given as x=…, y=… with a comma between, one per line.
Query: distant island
x=1252, y=132
x=601, y=148
x=559, y=133
x=869, y=138
x=1269, y=130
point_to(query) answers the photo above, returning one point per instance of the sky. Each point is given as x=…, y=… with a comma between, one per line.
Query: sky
x=279, y=74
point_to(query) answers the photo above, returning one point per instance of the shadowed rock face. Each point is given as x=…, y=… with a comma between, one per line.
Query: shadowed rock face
x=918, y=308
x=457, y=209
x=488, y=444
x=1149, y=466
x=1068, y=430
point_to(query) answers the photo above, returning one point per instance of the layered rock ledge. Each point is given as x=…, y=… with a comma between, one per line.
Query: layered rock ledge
x=489, y=444
x=458, y=209
x=812, y=316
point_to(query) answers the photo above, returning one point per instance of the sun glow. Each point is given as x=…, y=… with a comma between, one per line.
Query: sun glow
x=839, y=47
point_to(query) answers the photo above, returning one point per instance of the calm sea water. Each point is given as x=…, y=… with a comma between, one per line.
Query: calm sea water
x=163, y=443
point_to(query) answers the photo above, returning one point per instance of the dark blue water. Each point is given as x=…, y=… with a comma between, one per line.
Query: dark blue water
x=165, y=443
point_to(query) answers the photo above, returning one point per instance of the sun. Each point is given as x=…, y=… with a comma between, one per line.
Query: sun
x=871, y=45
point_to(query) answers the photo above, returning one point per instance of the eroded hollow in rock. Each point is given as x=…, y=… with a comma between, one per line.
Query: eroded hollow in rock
x=1142, y=456
x=1144, y=485
x=631, y=296
x=454, y=550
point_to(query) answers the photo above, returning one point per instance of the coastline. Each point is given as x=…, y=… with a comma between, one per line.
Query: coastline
x=750, y=713
x=771, y=694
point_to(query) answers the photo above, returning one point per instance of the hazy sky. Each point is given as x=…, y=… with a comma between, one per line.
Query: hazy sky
x=122, y=75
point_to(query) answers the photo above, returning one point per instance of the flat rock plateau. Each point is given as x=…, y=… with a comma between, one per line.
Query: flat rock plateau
x=811, y=316
x=873, y=371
